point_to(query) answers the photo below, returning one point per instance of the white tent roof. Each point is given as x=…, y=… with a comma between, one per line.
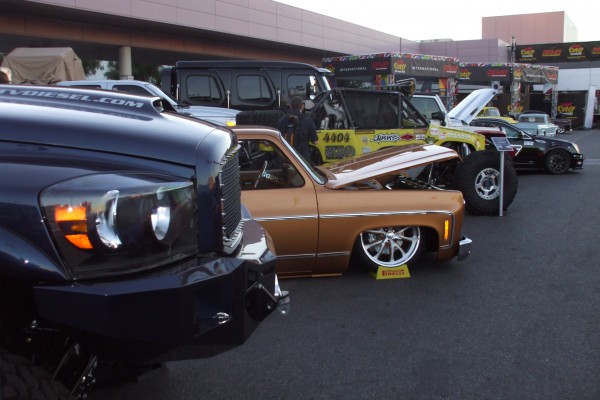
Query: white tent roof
x=43, y=65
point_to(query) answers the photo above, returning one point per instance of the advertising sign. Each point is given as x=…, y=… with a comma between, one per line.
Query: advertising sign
x=400, y=64
x=550, y=53
x=526, y=73
x=482, y=72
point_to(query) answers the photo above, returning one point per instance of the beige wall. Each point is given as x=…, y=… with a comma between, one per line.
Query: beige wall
x=259, y=19
x=552, y=27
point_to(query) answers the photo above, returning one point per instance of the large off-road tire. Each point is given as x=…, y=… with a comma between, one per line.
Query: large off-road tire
x=21, y=380
x=478, y=178
x=263, y=117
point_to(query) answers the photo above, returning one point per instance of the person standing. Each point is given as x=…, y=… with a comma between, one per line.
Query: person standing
x=297, y=128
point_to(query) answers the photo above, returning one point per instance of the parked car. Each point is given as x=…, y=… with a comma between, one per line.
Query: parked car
x=494, y=112
x=216, y=115
x=323, y=218
x=123, y=240
x=537, y=123
x=553, y=155
x=564, y=124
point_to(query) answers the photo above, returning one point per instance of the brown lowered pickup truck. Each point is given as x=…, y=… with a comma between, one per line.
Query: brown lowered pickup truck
x=375, y=210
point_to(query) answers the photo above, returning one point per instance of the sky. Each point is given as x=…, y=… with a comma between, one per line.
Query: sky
x=436, y=19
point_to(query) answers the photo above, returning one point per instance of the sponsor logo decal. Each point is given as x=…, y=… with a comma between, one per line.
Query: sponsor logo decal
x=450, y=69
x=400, y=66
x=464, y=74
x=391, y=273
x=518, y=73
x=339, y=152
x=527, y=52
x=552, y=53
x=72, y=96
x=566, y=108
x=379, y=65
x=495, y=73
x=576, y=50
x=386, y=137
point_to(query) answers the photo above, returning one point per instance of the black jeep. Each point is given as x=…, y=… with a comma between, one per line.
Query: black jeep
x=123, y=241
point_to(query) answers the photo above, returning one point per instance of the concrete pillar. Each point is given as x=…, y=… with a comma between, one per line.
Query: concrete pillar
x=125, y=70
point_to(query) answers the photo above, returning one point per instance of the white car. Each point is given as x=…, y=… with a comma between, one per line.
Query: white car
x=538, y=124
x=216, y=115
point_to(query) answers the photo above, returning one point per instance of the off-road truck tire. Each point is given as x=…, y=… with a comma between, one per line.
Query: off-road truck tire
x=21, y=380
x=478, y=178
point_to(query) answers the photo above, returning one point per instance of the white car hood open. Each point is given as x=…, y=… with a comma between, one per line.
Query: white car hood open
x=384, y=162
x=470, y=106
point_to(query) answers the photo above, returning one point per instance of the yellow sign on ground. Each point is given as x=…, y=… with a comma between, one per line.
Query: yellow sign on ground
x=391, y=273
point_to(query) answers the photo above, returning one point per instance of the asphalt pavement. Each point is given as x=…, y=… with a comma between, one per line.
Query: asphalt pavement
x=518, y=319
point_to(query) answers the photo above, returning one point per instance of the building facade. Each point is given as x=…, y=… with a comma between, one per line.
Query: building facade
x=550, y=27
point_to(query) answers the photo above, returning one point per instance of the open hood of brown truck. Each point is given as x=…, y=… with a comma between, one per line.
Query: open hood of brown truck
x=384, y=162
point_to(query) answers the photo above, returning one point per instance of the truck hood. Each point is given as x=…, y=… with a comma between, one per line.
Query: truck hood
x=107, y=121
x=470, y=106
x=384, y=162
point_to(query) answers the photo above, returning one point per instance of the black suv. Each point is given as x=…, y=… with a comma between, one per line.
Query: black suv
x=123, y=241
x=243, y=84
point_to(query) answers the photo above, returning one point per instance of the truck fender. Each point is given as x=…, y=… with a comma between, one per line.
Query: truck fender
x=22, y=260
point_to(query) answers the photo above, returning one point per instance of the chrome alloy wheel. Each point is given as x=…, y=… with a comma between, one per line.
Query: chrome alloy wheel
x=391, y=247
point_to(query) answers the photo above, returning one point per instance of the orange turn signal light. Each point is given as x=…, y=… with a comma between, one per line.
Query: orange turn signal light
x=72, y=221
x=446, y=229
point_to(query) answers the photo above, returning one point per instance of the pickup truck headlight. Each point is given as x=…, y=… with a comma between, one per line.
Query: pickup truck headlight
x=120, y=223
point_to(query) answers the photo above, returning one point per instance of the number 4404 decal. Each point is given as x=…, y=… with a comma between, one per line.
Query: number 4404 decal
x=339, y=137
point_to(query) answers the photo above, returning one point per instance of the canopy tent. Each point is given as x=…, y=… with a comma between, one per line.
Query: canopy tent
x=43, y=65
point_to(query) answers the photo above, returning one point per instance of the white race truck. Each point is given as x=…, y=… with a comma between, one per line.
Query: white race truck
x=538, y=124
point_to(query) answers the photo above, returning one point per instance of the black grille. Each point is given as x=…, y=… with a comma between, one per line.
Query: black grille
x=231, y=197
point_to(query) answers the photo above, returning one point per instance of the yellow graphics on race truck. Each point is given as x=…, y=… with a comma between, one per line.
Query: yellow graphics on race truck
x=351, y=122
x=337, y=144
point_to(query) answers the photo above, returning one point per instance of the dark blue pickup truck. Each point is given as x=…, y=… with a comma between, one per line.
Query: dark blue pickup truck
x=123, y=240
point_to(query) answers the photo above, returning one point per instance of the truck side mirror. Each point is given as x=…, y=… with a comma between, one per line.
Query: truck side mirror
x=439, y=115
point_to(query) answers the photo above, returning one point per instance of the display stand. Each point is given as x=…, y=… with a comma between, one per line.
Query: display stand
x=502, y=144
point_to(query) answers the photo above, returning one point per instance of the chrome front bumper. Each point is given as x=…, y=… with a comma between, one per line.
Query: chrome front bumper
x=464, y=248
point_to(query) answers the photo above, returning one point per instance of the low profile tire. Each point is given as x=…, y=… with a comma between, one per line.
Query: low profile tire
x=388, y=247
x=21, y=380
x=557, y=162
x=478, y=178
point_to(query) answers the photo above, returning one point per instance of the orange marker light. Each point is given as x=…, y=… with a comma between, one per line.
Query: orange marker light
x=446, y=229
x=72, y=221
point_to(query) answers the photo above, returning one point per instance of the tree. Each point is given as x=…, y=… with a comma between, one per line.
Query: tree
x=90, y=67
